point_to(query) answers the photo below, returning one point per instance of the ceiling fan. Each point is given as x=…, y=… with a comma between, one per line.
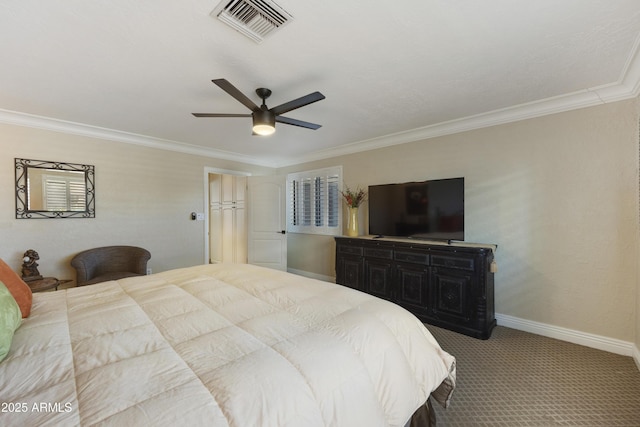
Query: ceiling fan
x=264, y=119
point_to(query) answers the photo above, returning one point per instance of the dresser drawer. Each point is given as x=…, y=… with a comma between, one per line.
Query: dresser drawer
x=383, y=253
x=457, y=261
x=412, y=257
x=350, y=250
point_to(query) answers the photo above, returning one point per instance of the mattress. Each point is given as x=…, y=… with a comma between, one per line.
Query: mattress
x=220, y=345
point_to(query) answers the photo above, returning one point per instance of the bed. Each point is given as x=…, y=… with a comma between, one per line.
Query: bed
x=221, y=345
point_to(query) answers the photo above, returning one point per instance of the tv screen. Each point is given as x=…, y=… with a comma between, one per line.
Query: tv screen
x=432, y=210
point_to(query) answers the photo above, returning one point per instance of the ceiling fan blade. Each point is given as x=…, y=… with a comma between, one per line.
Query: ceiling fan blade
x=233, y=91
x=295, y=122
x=220, y=115
x=297, y=103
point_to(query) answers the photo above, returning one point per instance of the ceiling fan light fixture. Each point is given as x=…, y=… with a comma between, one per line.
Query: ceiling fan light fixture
x=264, y=118
x=264, y=122
x=263, y=130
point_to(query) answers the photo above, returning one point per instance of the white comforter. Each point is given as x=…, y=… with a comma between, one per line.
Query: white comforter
x=218, y=345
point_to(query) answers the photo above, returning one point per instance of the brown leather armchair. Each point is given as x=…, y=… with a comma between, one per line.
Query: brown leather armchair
x=110, y=263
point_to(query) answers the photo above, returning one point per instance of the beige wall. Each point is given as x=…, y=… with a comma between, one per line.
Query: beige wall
x=558, y=194
x=144, y=197
x=637, y=340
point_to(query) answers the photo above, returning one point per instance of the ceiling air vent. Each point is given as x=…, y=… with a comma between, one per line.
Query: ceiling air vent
x=254, y=18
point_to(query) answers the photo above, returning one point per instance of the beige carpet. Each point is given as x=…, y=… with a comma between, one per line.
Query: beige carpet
x=520, y=379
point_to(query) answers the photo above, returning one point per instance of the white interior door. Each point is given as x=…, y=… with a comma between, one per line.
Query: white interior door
x=267, y=221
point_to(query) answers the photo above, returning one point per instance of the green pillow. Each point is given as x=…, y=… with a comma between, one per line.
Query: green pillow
x=10, y=318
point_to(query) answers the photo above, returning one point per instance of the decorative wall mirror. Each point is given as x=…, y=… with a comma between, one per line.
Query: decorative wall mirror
x=54, y=190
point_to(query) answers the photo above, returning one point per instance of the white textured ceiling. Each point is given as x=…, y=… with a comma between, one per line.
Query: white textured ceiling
x=391, y=72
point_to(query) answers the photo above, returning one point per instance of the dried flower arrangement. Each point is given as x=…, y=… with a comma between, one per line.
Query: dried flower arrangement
x=352, y=198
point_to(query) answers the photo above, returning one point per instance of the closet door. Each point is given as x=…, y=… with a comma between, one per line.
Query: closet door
x=215, y=219
x=227, y=189
x=227, y=216
x=228, y=233
x=240, y=220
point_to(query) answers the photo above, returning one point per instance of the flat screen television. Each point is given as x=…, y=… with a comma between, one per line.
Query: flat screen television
x=430, y=210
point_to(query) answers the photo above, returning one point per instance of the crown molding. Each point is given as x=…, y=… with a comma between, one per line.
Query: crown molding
x=582, y=99
x=56, y=125
x=630, y=75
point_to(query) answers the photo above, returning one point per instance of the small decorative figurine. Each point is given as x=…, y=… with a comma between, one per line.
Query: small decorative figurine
x=30, y=266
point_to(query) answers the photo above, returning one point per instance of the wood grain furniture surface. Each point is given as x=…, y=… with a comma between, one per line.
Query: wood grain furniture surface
x=45, y=284
x=450, y=286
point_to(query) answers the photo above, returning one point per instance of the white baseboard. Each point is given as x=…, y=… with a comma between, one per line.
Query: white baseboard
x=612, y=345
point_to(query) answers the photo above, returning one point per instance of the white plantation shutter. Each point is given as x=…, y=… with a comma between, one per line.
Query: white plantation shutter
x=64, y=193
x=77, y=195
x=313, y=201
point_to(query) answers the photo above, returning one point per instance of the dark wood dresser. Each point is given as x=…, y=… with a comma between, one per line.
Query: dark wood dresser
x=446, y=285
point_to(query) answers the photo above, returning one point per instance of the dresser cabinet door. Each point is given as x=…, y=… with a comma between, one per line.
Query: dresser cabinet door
x=378, y=277
x=453, y=295
x=350, y=272
x=350, y=265
x=413, y=287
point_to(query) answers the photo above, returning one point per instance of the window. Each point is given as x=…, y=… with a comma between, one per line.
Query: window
x=64, y=193
x=313, y=201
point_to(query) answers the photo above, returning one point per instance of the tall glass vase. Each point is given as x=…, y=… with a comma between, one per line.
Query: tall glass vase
x=352, y=225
